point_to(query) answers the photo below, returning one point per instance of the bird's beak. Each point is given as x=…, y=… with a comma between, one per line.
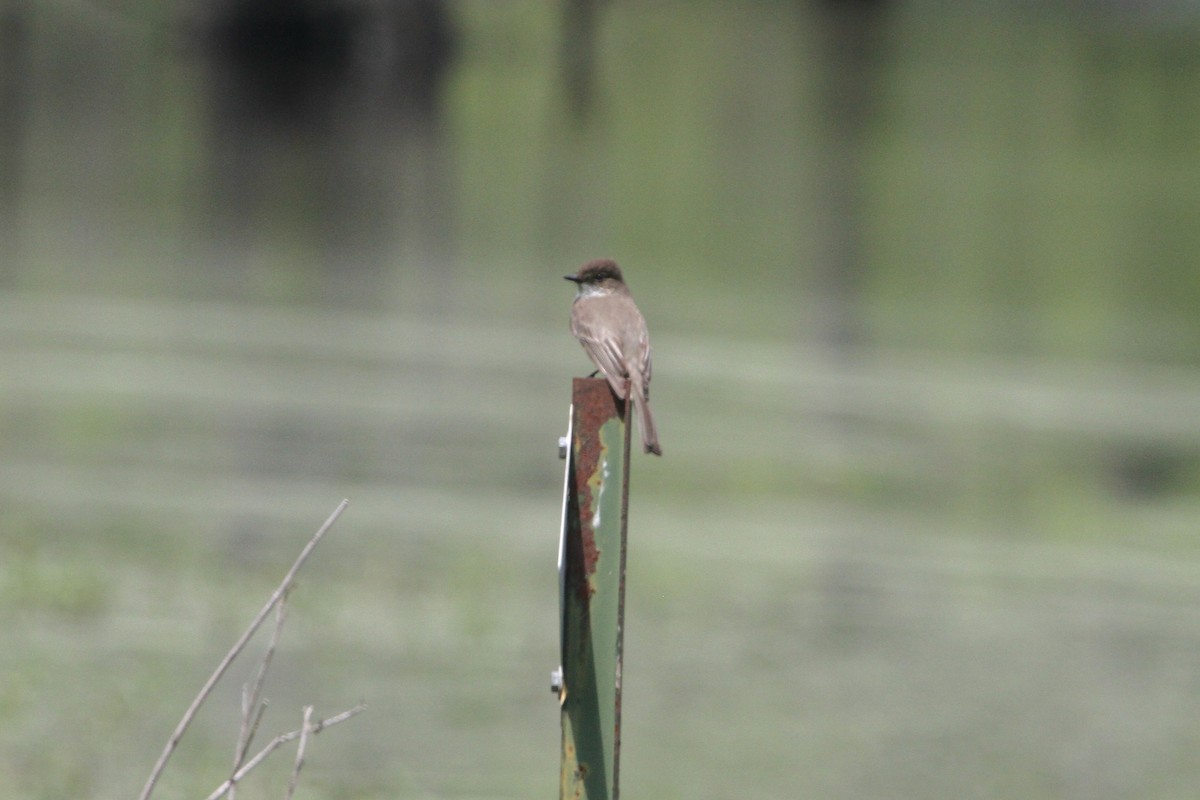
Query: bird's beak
x=571, y=278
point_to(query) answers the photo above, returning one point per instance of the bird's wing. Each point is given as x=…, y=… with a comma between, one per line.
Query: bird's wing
x=643, y=363
x=603, y=348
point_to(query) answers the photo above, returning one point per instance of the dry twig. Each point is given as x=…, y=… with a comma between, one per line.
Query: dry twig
x=237, y=648
x=300, y=748
x=279, y=741
x=253, y=706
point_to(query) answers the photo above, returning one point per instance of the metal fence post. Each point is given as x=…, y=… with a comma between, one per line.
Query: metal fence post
x=592, y=591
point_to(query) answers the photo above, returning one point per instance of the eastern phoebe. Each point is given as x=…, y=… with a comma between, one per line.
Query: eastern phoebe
x=612, y=331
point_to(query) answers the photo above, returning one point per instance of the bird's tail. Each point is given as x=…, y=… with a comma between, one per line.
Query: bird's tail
x=641, y=404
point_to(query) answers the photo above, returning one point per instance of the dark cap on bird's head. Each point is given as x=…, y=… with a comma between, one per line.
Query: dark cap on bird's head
x=597, y=271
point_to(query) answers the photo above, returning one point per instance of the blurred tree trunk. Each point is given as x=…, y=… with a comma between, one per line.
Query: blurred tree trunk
x=851, y=39
x=573, y=212
x=14, y=97
x=326, y=130
x=577, y=56
x=425, y=43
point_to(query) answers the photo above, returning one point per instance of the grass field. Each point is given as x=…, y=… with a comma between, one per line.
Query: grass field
x=957, y=559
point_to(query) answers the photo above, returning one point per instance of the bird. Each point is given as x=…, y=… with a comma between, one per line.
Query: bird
x=613, y=333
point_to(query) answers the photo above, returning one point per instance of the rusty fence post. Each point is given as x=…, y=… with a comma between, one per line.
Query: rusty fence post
x=591, y=566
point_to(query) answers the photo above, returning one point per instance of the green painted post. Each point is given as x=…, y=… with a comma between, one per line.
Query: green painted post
x=592, y=588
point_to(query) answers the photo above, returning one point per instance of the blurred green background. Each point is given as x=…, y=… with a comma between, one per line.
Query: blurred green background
x=922, y=283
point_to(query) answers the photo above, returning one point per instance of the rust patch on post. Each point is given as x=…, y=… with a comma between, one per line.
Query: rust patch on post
x=594, y=405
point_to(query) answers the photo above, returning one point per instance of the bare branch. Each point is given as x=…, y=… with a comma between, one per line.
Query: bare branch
x=300, y=748
x=237, y=648
x=252, y=704
x=262, y=709
x=278, y=742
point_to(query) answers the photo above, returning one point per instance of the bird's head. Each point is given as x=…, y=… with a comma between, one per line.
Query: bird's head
x=600, y=273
